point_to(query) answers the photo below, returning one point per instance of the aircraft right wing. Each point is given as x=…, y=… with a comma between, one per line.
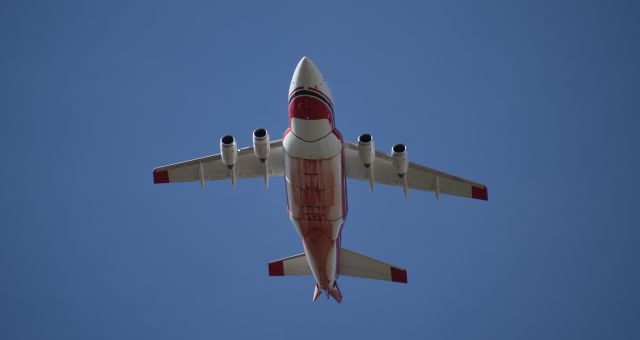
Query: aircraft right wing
x=418, y=176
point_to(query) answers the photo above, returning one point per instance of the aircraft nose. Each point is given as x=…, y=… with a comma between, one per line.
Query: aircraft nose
x=308, y=75
x=306, y=65
x=305, y=60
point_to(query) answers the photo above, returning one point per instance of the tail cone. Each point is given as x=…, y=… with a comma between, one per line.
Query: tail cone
x=335, y=293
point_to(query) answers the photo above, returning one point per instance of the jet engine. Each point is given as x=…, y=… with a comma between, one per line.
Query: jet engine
x=366, y=149
x=400, y=159
x=367, y=153
x=261, y=144
x=229, y=151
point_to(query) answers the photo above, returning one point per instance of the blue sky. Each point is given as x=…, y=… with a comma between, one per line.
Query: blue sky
x=538, y=100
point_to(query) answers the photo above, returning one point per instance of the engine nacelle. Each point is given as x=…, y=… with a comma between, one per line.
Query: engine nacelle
x=366, y=149
x=400, y=159
x=261, y=146
x=229, y=151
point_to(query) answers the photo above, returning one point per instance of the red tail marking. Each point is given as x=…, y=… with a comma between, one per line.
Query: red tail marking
x=276, y=268
x=398, y=275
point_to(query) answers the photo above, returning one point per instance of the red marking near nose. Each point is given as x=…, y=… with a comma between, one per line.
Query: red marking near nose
x=324, y=95
x=309, y=108
x=294, y=90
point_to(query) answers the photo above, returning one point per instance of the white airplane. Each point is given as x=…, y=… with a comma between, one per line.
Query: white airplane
x=316, y=161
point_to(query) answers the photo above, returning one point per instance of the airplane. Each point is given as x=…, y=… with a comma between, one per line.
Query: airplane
x=316, y=161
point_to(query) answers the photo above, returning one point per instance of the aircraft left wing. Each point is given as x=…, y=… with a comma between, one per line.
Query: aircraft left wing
x=211, y=167
x=417, y=177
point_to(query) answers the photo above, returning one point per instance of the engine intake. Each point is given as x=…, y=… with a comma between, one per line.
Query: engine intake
x=261, y=146
x=400, y=159
x=229, y=151
x=366, y=149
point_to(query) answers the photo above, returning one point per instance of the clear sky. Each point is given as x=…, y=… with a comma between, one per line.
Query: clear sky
x=538, y=100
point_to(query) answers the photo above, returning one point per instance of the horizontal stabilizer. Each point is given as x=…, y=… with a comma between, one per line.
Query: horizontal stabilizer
x=354, y=264
x=292, y=265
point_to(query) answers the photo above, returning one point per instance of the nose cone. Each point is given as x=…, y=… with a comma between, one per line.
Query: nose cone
x=308, y=75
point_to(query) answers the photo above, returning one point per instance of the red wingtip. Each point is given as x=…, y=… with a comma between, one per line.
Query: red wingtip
x=276, y=268
x=160, y=176
x=480, y=193
x=398, y=275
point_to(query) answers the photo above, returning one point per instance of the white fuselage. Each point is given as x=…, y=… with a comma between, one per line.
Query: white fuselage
x=314, y=173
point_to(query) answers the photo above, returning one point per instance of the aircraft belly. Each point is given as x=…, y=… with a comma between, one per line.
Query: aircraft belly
x=316, y=200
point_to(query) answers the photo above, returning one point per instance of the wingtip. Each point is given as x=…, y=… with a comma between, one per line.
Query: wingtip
x=276, y=268
x=398, y=275
x=160, y=176
x=480, y=193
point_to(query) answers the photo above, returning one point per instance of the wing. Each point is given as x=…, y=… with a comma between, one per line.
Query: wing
x=212, y=168
x=418, y=176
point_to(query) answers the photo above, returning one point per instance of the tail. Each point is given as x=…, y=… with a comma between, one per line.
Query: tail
x=351, y=264
x=333, y=292
x=354, y=264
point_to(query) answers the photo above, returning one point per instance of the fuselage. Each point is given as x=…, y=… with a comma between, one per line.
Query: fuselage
x=314, y=172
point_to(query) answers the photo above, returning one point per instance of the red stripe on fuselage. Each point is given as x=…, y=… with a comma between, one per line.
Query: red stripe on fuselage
x=344, y=177
x=294, y=90
x=322, y=93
